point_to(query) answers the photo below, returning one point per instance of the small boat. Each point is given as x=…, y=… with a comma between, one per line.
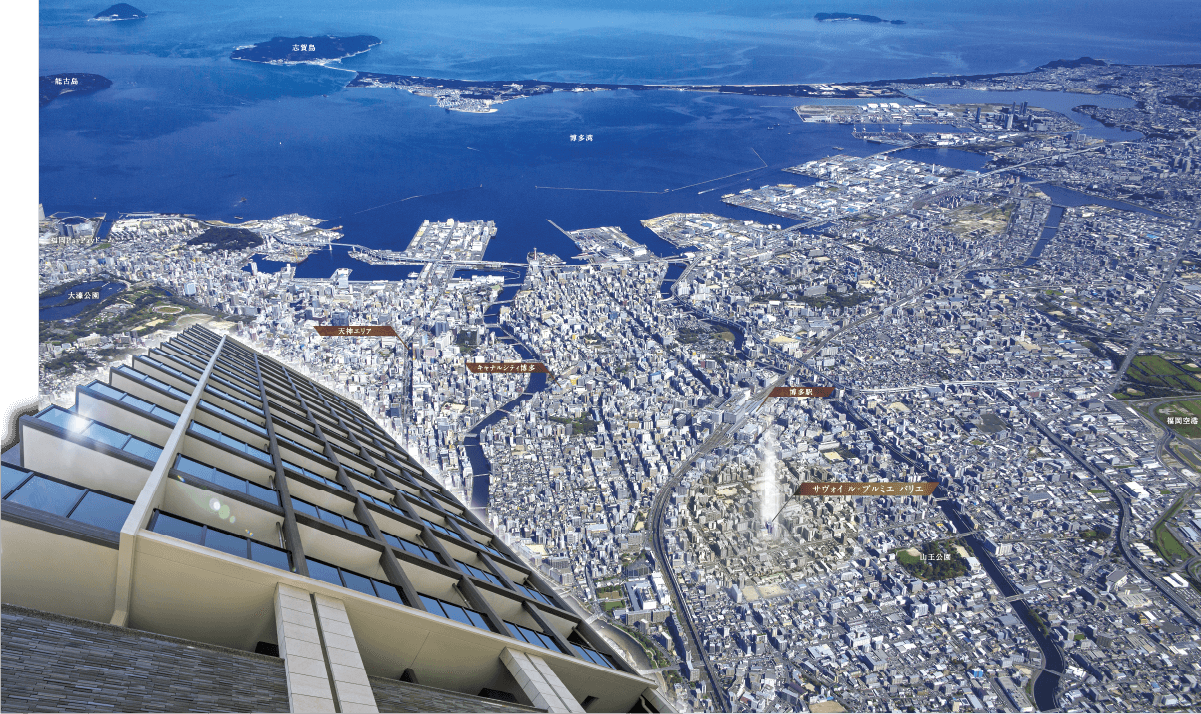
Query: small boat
x=239, y=218
x=242, y=200
x=838, y=147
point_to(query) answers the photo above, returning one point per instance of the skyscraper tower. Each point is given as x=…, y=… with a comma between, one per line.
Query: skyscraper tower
x=211, y=529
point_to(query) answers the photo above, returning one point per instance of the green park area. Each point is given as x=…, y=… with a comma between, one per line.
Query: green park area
x=140, y=309
x=1179, y=416
x=610, y=597
x=1166, y=544
x=1155, y=375
x=579, y=425
x=935, y=560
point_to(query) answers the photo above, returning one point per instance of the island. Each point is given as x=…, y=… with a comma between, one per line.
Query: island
x=53, y=86
x=118, y=12
x=852, y=17
x=480, y=96
x=227, y=238
x=305, y=50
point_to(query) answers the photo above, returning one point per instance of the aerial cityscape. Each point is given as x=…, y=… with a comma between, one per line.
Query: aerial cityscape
x=981, y=286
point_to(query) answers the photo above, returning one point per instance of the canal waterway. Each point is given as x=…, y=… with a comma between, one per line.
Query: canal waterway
x=1068, y=198
x=1062, y=102
x=1050, y=228
x=669, y=279
x=481, y=468
x=1047, y=684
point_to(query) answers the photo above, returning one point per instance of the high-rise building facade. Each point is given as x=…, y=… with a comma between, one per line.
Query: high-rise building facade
x=210, y=526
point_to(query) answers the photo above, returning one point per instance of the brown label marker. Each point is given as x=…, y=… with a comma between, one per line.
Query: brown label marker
x=506, y=367
x=852, y=488
x=355, y=331
x=803, y=392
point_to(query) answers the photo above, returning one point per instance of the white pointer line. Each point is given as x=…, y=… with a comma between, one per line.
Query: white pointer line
x=719, y=178
x=603, y=190
x=666, y=190
x=424, y=195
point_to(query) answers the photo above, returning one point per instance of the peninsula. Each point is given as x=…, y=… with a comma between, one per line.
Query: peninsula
x=52, y=86
x=305, y=50
x=852, y=17
x=120, y=11
x=479, y=96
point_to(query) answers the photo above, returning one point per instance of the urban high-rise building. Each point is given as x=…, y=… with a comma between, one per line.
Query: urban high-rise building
x=211, y=530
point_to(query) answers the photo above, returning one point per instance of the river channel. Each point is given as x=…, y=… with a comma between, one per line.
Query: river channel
x=481, y=468
x=1047, y=684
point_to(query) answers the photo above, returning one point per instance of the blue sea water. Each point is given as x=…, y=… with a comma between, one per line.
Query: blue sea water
x=185, y=129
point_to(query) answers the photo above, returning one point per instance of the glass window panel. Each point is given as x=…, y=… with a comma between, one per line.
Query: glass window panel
x=388, y=592
x=168, y=415
x=478, y=620
x=46, y=495
x=266, y=494
x=306, y=508
x=147, y=451
x=519, y=630
x=226, y=543
x=548, y=642
x=106, y=390
x=10, y=478
x=193, y=468
x=321, y=571
x=106, y=435
x=432, y=605
x=139, y=403
x=393, y=540
x=531, y=637
x=354, y=581
x=233, y=483
x=456, y=613
x=355, y=526
x=329, y=516
x=176, y=528
x=65, y=419
x=202, y=429
x=578, y=650
x=103, y=511
x=265, y=554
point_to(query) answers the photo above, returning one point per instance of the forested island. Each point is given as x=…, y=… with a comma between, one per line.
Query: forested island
x=120, y=11
x=852, y=17
x=53, y=86
x=305, y=50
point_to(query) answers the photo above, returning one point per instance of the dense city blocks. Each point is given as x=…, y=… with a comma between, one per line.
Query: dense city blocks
x=683, y=384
